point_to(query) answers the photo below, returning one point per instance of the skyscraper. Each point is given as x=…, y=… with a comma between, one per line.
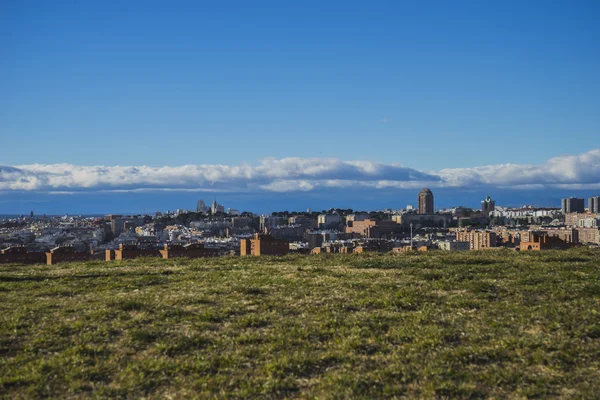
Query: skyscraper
x=201, y=207
x=594, y=204
x=572, y=204
x=217, y=207
x=425, y=201
x=487, y=206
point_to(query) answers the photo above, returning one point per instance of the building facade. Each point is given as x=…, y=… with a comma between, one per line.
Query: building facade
x=264, y=245
x=478, y=240
x=594, y=204
x=425, y=201
x=488, y=206
x=453, y=246
x=541, y=241
x=329, y=221
x=572, y=205
x=589, y=235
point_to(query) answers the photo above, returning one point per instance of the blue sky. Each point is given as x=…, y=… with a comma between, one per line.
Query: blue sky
x=429, y=85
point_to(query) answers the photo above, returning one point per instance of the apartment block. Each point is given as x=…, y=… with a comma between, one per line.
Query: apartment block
x=594, y=204
x=478, y=240
x=542, y=241
x=572, y=204
x=589, y=235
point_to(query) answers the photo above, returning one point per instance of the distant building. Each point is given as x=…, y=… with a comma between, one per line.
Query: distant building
x=328, y=221
x=315, y=240
x=425, y=201
x=370, y=228
x=117, y=226
x=541, y=241
x=201, y=207
x=568, y=235
x=589, y=235
x=583, y=220
x=263, y=245
x=112, y=217
x=478, y=240
x=241, y=222
x=423, y=220
x=488, y=206
x=572, y=204
x=216, y=208
x=454, y=246
x=594, y=204
x=269, y=221
x=356, y=217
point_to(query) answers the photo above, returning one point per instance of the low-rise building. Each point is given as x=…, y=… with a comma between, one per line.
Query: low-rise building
x=263, y=245
x=542, y=241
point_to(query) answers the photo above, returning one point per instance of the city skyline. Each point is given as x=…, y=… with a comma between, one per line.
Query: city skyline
x=122, y=107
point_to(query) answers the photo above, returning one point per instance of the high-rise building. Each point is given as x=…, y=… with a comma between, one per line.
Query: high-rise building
x=572, y=204
x=594, y=204
x=217, y=207
x=425, y=201
x=487, y=206
x=201, y=207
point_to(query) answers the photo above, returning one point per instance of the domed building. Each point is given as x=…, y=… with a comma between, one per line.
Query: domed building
x=425, y=201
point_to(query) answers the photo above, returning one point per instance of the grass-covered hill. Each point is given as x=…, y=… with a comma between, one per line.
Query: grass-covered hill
x=437, y=325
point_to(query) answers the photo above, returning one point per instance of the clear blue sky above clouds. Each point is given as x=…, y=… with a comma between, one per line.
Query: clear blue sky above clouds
x=428, y=84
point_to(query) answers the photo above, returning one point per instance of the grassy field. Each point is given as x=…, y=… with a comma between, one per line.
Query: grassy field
x=439, y=325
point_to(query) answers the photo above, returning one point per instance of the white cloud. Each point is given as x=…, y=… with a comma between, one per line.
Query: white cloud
x=299, y=174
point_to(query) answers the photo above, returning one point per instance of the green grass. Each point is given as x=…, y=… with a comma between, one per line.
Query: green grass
x=463, y=325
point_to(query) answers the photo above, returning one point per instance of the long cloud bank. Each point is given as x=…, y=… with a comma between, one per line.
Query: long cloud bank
x=299, y=174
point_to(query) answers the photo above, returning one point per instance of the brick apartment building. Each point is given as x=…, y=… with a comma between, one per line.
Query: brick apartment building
x=478, y=240
x=589, y=235
x=568, y=235
x=264, y=245
x=542, y=241
x=586, y=220
x=370, y=228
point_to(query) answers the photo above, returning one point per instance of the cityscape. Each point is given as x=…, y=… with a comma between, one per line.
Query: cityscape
x=385, y=199
x=212, y=230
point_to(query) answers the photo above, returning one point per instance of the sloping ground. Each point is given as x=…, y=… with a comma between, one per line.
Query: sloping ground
x=468, y=325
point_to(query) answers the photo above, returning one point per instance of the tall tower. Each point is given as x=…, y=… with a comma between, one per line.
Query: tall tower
x=594, y=204
x=425, y=201
x=487, y=206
